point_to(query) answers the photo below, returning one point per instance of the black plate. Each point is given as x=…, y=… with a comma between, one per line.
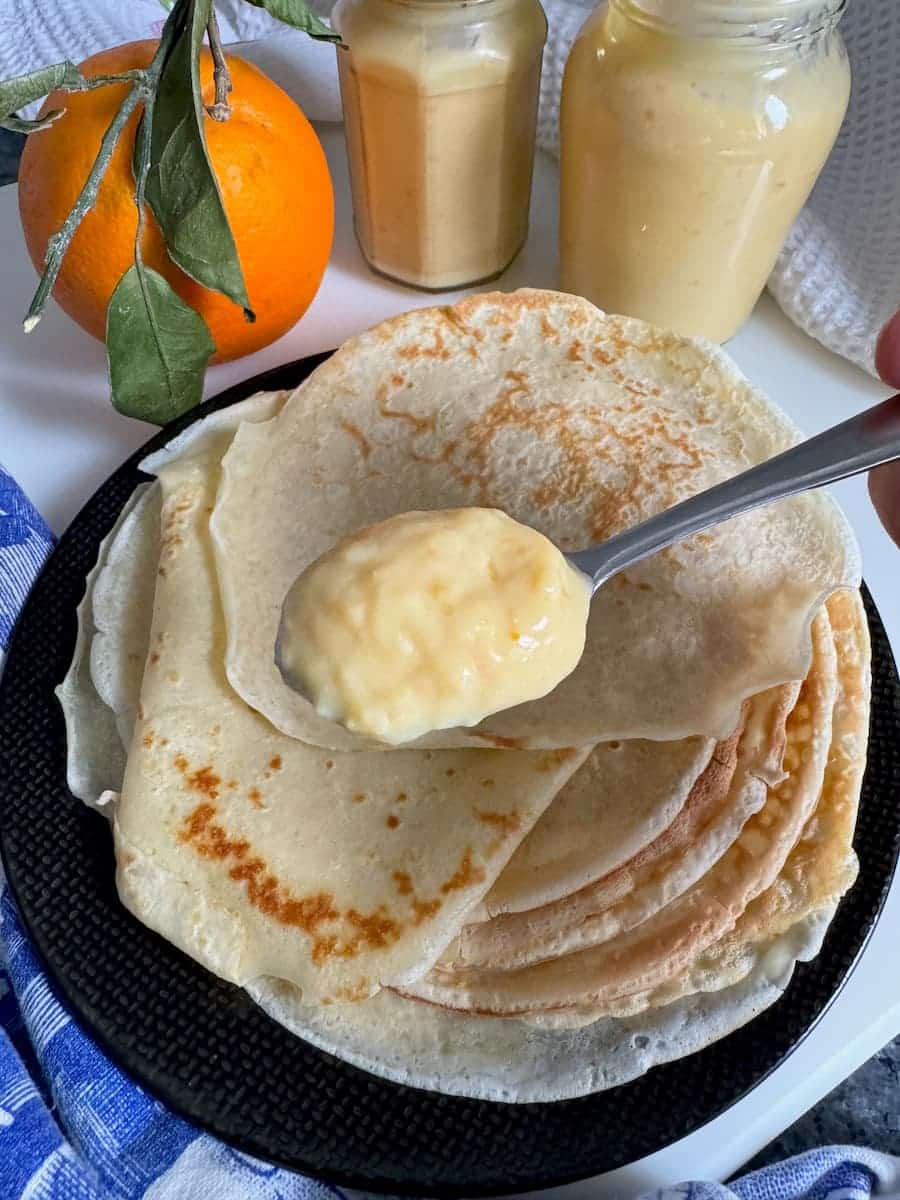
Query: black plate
x=208, y=1052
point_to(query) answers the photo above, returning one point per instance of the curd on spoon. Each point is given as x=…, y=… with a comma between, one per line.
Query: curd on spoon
x=431, y=620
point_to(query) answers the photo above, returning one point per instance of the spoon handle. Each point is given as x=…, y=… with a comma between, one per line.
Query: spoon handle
x=862, y=442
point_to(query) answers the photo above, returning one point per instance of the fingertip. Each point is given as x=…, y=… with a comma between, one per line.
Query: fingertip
x=887, y=352
x=884, y=490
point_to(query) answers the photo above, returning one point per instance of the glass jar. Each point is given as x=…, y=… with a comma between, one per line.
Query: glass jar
x=440, y=105
x=692, y=132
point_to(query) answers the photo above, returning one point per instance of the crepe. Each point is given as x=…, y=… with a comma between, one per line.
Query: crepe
x=726, y=795
x=95, y=753
x=580, y=425
x=624, y=796
x=257, y=854
x=658, y=948
x=495, y=1058
x=122, y=616
x=822, y=865
x=633, y=802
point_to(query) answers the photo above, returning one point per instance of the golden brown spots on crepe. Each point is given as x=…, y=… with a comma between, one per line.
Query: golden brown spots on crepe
x=618, y=438
x=551, y=759
x=419, y=424
x=506, y=822
x=276, y=763
x=255, y=797
x=495, y=739
x=401, y=797
x=458, y=324
x=392, y=822
x=323, y=948
x=359, y=797
x=450, y=772
x=446, y=456
x=358, y=436
x=548, y=330
x=375, y=930
x=231, y=785
x=437, y=349
x=352, y=994
x=519, y=378
x=210, y=839
x=172, y=524
x=328, y=764
x=205, y=781
x=148, y=739
x=403, y=882
x=266, y=893
x=163, y=741
x=154, y=658
x=465, y=874
x=424, y=909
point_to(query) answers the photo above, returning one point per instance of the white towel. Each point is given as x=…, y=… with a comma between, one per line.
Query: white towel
x=838, y=276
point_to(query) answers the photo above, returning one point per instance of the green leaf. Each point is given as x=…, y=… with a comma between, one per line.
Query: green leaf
x=20, y=125
x=182, y=190
x=157, y=348
x=300, y=15
x=25, y=89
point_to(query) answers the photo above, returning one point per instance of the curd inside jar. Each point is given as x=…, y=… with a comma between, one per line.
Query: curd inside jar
x=692, y=133
x=440, y=107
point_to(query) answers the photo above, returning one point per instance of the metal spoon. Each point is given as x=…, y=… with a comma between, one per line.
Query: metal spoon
x=863, y=442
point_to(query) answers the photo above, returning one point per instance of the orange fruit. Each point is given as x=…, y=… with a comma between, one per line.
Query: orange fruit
x=275, y=186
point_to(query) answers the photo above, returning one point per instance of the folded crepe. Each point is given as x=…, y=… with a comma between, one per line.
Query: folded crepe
x=339, y=873
x=580, y=425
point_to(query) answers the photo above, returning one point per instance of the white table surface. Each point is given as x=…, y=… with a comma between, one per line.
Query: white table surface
x=60, y=438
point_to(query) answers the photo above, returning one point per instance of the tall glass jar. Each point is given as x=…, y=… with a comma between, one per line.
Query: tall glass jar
x=692, y=132
x=440, y=104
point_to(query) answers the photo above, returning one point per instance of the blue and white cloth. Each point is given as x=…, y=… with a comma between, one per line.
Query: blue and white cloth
x=75, y=1127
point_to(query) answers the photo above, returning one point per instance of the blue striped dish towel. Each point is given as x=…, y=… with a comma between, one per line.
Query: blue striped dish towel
x=75, y=1127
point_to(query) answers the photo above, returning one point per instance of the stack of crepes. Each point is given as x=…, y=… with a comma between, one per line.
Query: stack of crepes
x=578, y=888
